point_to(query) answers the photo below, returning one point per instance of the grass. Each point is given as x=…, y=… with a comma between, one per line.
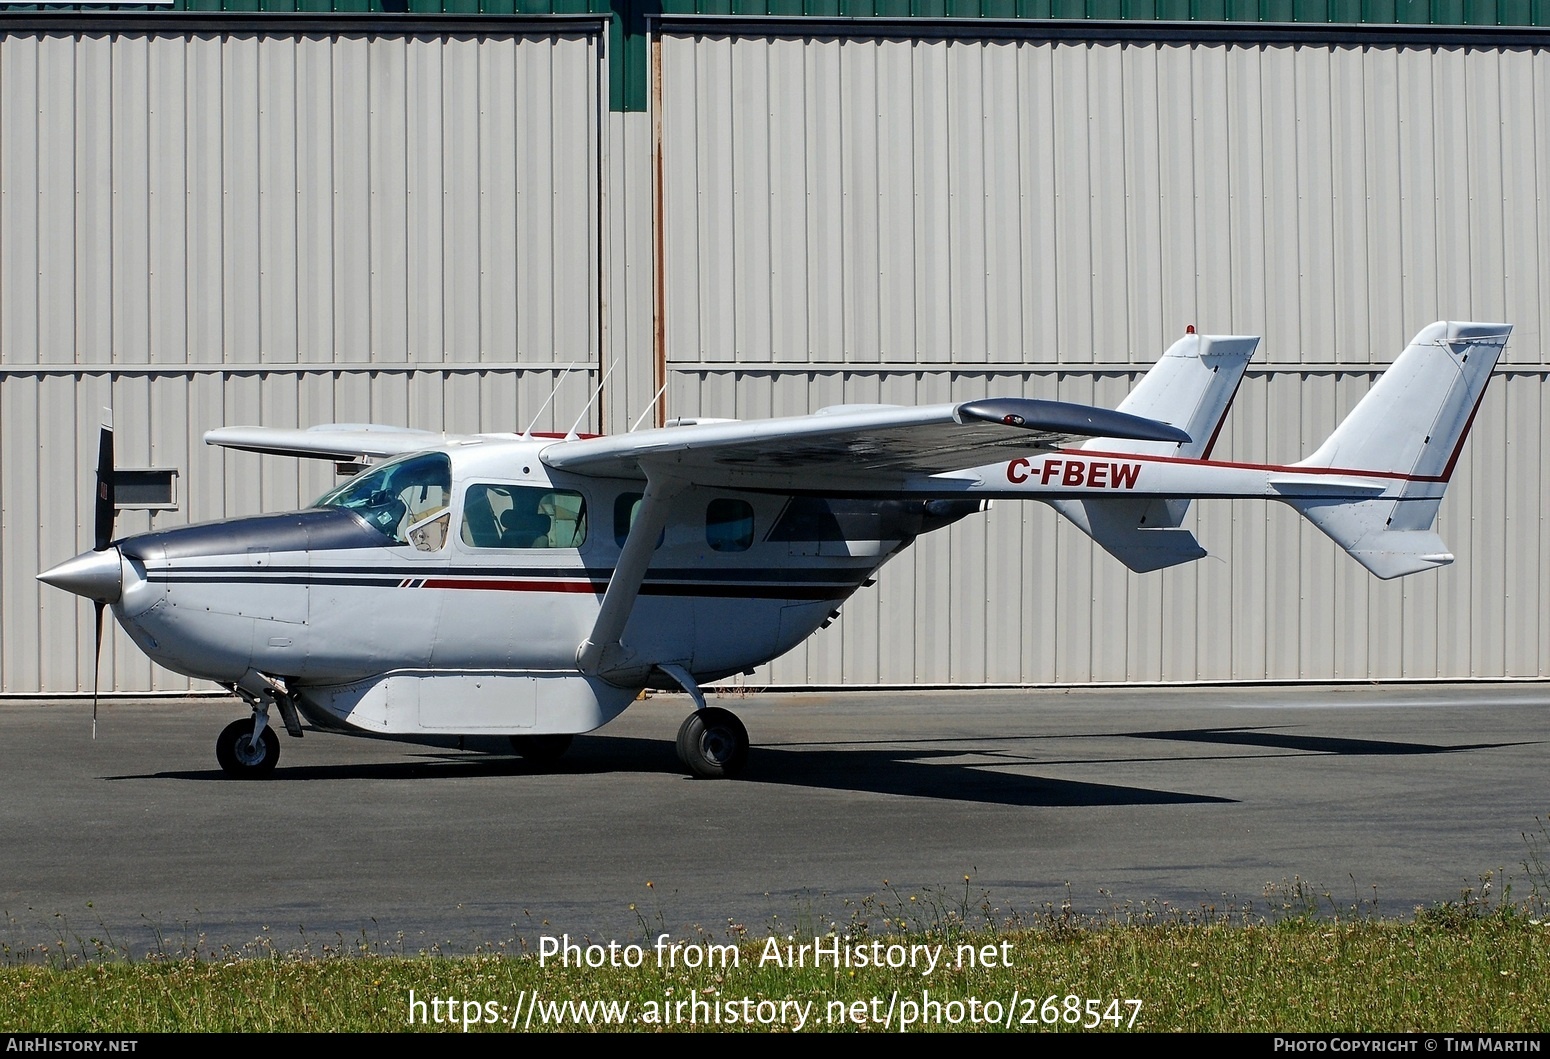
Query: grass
x=1491, y=974
x=1302, y=961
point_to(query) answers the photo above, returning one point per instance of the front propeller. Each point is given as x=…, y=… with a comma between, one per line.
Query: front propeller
x=105, y=512
x=96, y=574
x=105, y=508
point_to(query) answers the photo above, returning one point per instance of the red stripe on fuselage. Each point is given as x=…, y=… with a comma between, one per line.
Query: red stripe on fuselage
x=1288, y=468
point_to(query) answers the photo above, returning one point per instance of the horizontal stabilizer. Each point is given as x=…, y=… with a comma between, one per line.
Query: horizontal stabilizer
x=1119, y=527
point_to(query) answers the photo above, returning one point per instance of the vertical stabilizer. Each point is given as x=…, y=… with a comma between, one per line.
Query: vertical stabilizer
x=1411, y=427
x=1190, y=387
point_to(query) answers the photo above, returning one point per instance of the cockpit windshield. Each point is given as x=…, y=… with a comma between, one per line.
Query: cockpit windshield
x=406, y=498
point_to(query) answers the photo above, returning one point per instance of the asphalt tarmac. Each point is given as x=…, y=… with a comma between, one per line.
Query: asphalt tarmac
x=855, y=804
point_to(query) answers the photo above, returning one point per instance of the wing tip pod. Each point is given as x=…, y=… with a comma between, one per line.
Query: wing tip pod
x=1075, y=420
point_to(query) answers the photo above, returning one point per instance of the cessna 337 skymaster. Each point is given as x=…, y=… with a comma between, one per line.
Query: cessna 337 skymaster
x=530, y=587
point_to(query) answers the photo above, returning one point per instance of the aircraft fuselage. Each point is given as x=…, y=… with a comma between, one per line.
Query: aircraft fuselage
x=459, y=588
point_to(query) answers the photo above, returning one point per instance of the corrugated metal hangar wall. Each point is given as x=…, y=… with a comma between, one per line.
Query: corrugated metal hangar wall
x=428, y=226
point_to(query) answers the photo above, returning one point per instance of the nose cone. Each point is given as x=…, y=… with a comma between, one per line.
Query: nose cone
x=95, y=575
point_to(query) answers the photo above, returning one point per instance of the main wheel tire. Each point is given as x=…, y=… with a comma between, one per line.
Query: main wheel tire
x=541, y=749
x=242, y=757
x=713, y=744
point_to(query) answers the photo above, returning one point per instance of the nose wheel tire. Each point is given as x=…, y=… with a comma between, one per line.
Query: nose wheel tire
x=713, y=744
x=540, y=749
x=243, y=757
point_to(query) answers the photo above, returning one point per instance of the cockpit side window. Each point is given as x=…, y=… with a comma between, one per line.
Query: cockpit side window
x=405, y=498
x=520, y=516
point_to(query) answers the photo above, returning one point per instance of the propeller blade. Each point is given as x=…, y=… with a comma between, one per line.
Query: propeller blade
x=96, y=667
x=105, y=489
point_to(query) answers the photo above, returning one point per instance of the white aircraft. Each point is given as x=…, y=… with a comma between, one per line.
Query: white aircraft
x=531, y=586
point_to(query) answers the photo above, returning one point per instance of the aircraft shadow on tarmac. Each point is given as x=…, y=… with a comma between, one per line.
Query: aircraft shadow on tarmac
x=900, y=769
x=1275, y=738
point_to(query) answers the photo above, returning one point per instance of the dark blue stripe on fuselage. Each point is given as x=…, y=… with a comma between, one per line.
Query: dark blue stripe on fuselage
x=317, y=529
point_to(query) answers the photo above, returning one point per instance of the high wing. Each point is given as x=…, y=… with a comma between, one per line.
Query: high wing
x=838, y=449
x=864, y=447
x=333, y=441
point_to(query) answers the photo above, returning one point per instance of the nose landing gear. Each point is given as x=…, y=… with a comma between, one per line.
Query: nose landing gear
x=248, y=749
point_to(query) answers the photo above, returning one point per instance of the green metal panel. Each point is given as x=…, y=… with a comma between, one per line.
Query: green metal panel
x=627, y=44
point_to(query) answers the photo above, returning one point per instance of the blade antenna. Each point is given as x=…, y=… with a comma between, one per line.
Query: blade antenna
x=570, y=435
x=650, y=407
x=527, y=434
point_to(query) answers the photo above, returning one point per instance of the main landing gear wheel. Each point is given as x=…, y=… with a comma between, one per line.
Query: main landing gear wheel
x=713, y=744
x=244, y=758
x=540, y=749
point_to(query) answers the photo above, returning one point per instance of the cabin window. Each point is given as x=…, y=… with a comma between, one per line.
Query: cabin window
x=405, y=498
x=521, y=516
x=626, y=509
x=729, y=525
x=811, y=518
